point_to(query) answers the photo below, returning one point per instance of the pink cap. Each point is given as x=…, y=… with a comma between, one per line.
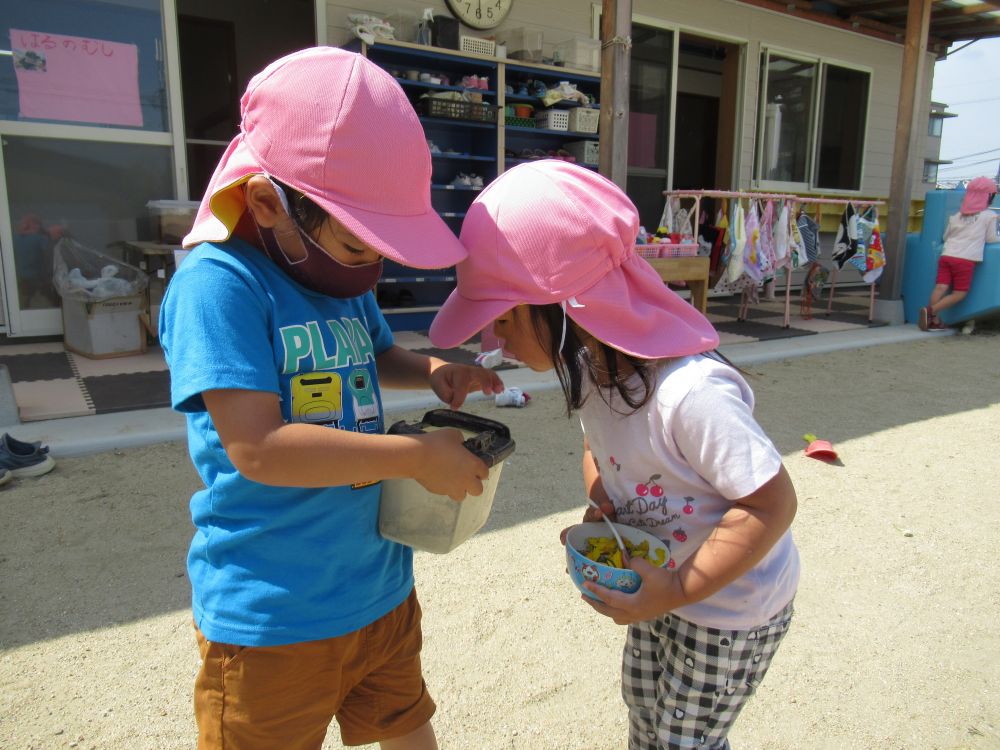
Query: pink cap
x=339, y=129
x=977, y=195
x=553, y=232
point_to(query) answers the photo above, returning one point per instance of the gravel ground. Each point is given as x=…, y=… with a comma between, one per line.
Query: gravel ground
x=894, y=644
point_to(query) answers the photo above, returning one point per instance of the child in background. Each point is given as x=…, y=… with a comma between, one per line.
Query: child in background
x=671, y=445
x=277, y=351
x=966, y=235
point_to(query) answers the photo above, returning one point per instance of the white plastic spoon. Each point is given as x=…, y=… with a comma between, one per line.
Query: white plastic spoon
x=621, y=544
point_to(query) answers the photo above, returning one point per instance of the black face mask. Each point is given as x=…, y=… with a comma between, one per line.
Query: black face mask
x=319, y=271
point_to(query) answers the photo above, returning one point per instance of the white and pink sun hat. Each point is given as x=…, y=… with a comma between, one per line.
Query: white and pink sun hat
x=977, y=195
x=551, y=232
x=339, y=129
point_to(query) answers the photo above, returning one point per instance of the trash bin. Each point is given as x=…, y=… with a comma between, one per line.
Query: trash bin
x=102, y=300
x=411, y=515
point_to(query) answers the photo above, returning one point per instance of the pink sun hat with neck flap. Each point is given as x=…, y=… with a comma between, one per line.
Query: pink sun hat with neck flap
x=339, y=129
x=553, y=232
x=977, y=195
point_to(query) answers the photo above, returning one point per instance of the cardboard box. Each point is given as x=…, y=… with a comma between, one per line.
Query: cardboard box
x=172, y=219
x=108, y=328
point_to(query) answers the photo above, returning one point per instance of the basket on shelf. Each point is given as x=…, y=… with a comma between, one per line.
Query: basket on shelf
x=584, y=119
x=682, y=250
x=647, y=251
x=552, y=119
x=520, y=122
x=477, y=46
x=458, y=110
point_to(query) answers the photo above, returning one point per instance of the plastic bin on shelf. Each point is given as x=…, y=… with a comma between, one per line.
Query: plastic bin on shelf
x=579, y=52
x=524, y=44
x=172, y=219
x=584, y=119
x=552, y=119
x=586, y=152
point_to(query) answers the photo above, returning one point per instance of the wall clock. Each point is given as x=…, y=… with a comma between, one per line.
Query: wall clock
x=480, y=14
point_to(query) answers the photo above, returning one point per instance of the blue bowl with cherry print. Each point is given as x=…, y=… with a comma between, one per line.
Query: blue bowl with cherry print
x=581, y=568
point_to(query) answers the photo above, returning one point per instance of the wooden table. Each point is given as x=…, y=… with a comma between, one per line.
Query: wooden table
x=692, y=270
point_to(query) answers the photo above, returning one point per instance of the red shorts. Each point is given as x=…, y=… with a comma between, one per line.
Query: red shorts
x=955, y=272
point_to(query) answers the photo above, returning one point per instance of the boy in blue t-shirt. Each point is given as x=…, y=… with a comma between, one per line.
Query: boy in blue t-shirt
x=278, y=353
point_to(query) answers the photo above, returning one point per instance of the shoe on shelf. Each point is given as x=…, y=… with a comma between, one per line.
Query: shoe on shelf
x=22, y=459
x=476, y=182
x=435, y=149
x=462, y=181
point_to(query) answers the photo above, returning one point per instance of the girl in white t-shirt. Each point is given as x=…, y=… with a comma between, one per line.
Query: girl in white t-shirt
x=671, y=444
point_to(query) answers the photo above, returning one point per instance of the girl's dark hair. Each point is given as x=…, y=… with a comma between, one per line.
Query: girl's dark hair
x=305, y=212
x=573, y=361
x=571, y=364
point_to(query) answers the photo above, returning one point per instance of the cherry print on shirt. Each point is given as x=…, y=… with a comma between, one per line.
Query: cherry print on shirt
x=671, y=564
x=649, y=487
x=680, y=535
x=688, y=508
x=618, y=466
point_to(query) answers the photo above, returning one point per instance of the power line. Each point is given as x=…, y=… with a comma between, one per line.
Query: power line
x=975, y=101
x=969, y=156
x=966, y=166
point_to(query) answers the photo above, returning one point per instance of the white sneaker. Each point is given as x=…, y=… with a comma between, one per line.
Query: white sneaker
x=462, y=181
x=476, y=182
x=512, y=396
x=968, y=328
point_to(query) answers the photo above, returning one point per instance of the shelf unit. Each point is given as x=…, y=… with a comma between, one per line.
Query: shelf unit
x=409, y=297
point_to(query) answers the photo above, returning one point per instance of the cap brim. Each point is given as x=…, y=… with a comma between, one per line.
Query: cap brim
x=461, y=318
x=420, y=241
x=630, y=308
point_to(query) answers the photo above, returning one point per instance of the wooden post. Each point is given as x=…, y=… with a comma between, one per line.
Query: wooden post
x=918, y=18
x=616, y=43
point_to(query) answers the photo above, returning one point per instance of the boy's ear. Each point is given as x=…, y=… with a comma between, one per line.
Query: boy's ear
x=263, y=202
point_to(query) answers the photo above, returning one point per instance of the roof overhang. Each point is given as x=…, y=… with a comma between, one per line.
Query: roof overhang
x=951, y=20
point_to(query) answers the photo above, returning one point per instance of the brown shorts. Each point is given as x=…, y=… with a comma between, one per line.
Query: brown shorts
x=253, y=697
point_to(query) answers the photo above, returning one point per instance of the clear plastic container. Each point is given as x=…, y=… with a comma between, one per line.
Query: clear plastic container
x=411, y=515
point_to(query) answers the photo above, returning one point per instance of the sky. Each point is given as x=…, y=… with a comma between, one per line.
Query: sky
x=968, y=81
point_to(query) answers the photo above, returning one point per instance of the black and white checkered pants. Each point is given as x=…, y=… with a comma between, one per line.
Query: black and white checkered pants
x=684, y=684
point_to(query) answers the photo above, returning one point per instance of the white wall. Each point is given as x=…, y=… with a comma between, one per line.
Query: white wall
x=734, y=21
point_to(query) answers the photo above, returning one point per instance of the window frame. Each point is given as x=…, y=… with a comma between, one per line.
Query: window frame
x=815, y=120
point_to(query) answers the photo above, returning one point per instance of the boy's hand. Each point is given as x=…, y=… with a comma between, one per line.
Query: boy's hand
x=452, y=382
x=659, y=593
x=448, y=467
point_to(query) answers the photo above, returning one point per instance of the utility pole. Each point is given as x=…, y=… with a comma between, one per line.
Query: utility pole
x=616, y=51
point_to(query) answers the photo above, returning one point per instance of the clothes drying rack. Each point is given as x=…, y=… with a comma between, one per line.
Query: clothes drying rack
x=793, y=200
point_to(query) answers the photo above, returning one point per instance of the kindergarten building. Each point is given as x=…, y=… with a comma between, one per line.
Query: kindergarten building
x=107, y=106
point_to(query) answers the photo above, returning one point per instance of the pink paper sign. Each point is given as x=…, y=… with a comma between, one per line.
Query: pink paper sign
x=76, y=79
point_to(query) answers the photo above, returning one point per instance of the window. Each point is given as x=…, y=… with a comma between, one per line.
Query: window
x=649, y=120
x=812, y=122
x=93, y=191
x=934, y=127
x=84, y=62
x=930, y=171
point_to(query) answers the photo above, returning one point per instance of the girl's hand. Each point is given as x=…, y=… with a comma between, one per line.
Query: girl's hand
x=659, y=593
x=452, y=382
x=448, y=467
